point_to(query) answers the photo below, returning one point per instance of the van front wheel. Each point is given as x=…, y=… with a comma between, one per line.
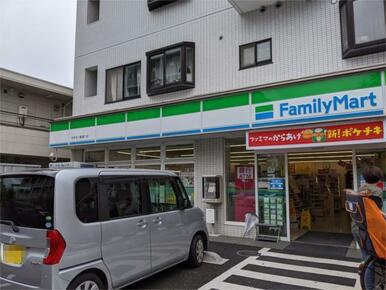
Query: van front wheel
x=88, y=281
x=197, y=251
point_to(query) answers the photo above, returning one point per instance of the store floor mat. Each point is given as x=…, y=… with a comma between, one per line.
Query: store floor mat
x=325, y=238
x=317, y=251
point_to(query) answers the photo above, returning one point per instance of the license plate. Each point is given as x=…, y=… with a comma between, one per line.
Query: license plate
x=12, y=254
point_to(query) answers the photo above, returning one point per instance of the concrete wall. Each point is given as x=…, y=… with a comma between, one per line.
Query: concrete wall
x=25, y=141
x=305, y=42
x=21, y=141
x=38, y=106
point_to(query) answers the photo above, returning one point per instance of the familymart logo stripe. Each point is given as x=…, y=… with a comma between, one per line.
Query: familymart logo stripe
x=264, y=112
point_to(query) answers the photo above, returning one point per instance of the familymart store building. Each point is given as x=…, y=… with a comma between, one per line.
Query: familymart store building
x=277, y=151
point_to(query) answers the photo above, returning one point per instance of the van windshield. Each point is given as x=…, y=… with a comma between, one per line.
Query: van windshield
x=27, y=200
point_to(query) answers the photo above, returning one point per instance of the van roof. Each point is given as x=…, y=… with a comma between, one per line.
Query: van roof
x=90, y=171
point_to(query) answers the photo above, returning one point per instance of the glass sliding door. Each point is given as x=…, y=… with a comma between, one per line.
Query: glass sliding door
x=371, y=157
x=240, y=180
x=272, y=190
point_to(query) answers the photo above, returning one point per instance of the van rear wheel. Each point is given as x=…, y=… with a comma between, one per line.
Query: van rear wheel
x=88, y=281
x=197, y=251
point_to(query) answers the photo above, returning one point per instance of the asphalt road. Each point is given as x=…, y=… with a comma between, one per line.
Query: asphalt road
x=184, y=277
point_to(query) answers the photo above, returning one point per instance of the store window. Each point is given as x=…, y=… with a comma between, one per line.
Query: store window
x=272, y=191
x=94, y=156
x=186, y=174
x=180, y=151
x=359, y=35
x=120, y=155
x=148, y=166
x=256, y=53
x=376, y=157
x=240, y=180
x=123, y=83
x=148, y=153
x=170, y=69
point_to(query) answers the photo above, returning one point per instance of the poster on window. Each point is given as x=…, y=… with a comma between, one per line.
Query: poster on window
x=244, y=199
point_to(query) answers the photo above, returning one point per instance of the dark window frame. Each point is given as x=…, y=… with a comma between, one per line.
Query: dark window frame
x=354, y=49
x=257, y=63
x=154, y=4
x=123, y=83
x=168, y=88
x=98, y=210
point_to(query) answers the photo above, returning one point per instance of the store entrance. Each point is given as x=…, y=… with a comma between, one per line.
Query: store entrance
x=316, y=192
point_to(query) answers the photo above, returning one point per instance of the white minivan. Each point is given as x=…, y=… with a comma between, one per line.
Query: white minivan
x=94, y=228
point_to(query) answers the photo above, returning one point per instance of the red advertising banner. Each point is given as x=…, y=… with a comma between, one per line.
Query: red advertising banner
x=244, y=199
x=321, y=134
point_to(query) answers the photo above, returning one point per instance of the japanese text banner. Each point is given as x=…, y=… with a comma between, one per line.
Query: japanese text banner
x=312, y=135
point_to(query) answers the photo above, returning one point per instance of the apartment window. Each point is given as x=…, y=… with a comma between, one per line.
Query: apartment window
x=363, y=27
x=92, y=10
x=170, y=69
x=123, y=82
x=256, y=53
x=154, y=4
x=91, y=81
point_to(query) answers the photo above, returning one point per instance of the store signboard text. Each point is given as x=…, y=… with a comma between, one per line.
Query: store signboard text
x=316, y=135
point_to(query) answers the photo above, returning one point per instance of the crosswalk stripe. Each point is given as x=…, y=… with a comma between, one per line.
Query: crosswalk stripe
x=311, y=259
x=262, y=273
x=310, y=264
x=293, y=281
x=230, y=286
x=305, y=269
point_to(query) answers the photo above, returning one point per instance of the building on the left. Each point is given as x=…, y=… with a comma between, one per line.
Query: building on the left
x=27, y=107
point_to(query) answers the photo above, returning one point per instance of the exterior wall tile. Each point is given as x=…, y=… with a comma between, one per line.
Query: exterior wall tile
x=305, y=42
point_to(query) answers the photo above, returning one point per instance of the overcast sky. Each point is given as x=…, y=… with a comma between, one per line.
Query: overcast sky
x=37, y=38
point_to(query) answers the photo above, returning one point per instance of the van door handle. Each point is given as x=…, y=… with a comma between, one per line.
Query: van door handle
x=142, y=224
x=157, y=220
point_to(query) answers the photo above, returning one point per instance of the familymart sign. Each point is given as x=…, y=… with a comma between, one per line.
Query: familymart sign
x=347, y=97
x=332, y=106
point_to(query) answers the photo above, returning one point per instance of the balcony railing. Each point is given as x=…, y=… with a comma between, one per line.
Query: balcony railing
x=24, y=121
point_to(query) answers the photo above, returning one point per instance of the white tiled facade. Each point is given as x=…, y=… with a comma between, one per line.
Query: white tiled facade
x=306, y=43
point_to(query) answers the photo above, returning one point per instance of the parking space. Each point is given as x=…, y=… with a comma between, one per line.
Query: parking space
x=183, y=277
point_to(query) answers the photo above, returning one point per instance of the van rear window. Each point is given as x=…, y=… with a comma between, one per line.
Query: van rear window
x=27, y=200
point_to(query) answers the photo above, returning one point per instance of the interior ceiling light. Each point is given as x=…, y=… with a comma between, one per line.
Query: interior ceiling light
x=123, y=152
x=320, y=153
x=318, y=161
x=318, y=157
x=150, y=156
x=148, y=151
x=179, y=149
